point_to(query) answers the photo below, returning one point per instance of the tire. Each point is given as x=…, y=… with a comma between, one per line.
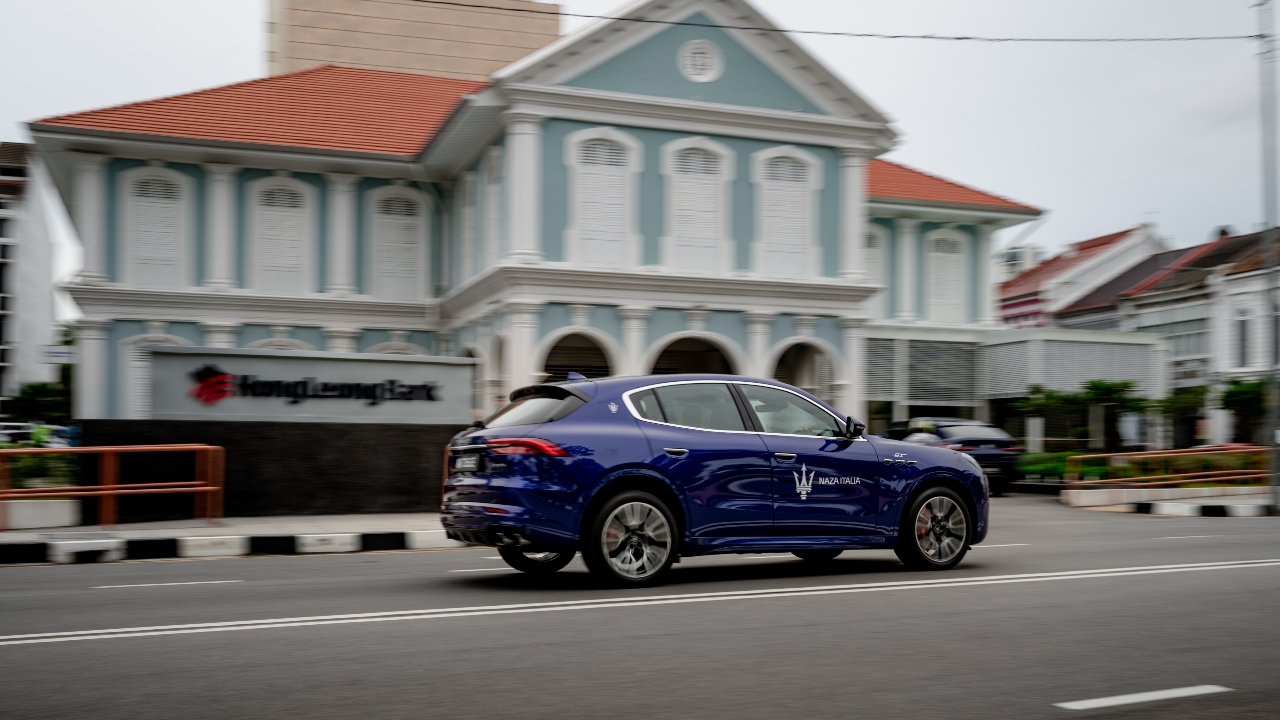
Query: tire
x=631, y=541
x=935, y=532
x=535, y=563
x=817, y=556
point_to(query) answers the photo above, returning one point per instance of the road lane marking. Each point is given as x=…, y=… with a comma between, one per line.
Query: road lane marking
x=1186, y=537
x=1005, y=545
x=198, y=582
x=631, y=601
x=481, y=570
x=1192, y=691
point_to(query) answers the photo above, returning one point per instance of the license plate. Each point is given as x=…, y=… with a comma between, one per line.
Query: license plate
x=466, y=463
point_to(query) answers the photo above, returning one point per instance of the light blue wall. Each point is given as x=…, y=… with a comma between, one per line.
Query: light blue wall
x=311, y=335
x=116, y=194
x=784, y=326
x=252, y=334
x=555, y=200
x=369, y=338
x=729, y=324
x=828, y=329
x=651, y=68
x=605, y=318
x=554, y=317
x=663, y=322
x=188, y=331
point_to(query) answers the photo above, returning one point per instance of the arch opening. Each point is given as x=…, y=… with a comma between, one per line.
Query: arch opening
x=809, y=369
x=691, y=355
x=576, y=353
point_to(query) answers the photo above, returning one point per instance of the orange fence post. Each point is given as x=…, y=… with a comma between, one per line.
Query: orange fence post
x=217, y=479
x=108, y=477
x=4, y=486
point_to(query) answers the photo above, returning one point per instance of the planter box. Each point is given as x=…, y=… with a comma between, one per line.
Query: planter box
x=28, y=514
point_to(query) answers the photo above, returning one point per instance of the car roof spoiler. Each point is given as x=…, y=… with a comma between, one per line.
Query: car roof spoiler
x=558, y=390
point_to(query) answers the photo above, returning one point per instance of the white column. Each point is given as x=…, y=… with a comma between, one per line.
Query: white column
x=521, y=325
x=988, y=310
x=340, y=340
x=580, y=315
x=91, y=369
x=696, y=319
x=524, y=191
x=90, y=215
x=853, y=214
x=905, y=245
x=220, y=224
x=635, y=331
x=759, y=332
x=341, y=261
x=221, y=334
x=853, y=401
x=805, y=325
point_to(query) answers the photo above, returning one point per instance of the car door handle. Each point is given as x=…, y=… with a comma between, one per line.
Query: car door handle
x=785, y=457
x=676, y=452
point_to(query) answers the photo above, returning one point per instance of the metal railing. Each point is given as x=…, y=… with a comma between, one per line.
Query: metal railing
x=1162, y=468
x=207, y=486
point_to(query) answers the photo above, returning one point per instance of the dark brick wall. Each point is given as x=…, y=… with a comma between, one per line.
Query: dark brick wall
x=276, y=468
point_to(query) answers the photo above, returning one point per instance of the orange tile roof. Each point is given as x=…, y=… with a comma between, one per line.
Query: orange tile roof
x=329, y=107
x=1032, y=280
x=892, y=181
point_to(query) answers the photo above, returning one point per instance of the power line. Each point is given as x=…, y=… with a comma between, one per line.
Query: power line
x=836, y=33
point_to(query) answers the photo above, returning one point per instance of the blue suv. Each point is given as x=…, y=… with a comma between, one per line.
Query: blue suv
x=637, y=472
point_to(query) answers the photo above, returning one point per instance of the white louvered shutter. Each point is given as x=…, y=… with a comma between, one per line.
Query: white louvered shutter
x=281, y=234
x=786, y=234
x=156, y=224
x=946, y=281
x=603, y=190
x=873, y=253
x=398, y=249
x=697, y=211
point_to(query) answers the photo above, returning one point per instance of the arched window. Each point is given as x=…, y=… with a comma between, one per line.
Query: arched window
x=399, y=247
x=787, y=180
x=493, y=208
x=157, y=229
x=697, y=173
x=282, y=237
x=602, y=218
x=946, y=279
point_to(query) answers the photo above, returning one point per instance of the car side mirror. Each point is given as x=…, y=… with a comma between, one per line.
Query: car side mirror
x=853, y=428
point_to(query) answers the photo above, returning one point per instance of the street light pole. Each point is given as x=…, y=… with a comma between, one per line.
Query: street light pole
x=1267, y=100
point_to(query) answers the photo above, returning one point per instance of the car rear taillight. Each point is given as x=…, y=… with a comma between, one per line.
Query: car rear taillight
x=961, y=448
x=526, y=446
x=1015, y=448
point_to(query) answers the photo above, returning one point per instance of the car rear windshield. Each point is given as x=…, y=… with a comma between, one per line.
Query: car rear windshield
x=973, y=431
x=535, y=408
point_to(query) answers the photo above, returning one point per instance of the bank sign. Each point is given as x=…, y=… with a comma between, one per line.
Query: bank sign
x=189, y=383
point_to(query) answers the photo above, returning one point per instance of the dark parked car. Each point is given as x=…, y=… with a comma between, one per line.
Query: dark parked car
x=636, y=472
x=996, y=451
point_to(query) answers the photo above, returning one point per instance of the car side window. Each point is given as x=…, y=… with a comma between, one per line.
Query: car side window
x=786, y=414
x=646, y=403
x=707, y=406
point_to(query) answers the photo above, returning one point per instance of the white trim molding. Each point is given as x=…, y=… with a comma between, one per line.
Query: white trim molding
x=577, y=248
x=720, y=251
x=280, y=340
x=129, y=231
x=398, y=345
x=769, y=258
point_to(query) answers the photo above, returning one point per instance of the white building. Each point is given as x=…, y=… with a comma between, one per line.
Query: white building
x=634, y=198
x=26, y=273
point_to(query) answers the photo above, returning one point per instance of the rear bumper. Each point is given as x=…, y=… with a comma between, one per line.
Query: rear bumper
x=506, y=525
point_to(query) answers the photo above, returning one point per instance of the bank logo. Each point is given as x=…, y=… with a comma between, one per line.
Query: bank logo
x=804, y=483
x=212, y=384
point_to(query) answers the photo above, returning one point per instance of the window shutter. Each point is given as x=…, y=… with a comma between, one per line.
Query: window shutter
x=946, y=281
x=156, y=219
x=602, y=196
x=943, y=372
x=398, y=250
x=697, y=209
x=787, y=227
x=605, y=153
x=281, y=226
x=881, y=369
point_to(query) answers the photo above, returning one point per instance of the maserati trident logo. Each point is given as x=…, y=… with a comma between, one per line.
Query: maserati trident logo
x=804, y=482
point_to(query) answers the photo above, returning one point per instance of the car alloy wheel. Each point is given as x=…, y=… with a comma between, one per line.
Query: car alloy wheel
x=935, y=531
x=535, y=563
x=637, y=540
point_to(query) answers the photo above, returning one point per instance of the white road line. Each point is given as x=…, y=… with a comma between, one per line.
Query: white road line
x=199, y=582
x=481, y=570
x=631, y=601
x=491, y=557
x=1185, y=537
x=1005, y=545
x=1192, y=691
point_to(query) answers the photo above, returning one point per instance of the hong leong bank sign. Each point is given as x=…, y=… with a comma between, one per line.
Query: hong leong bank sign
x=233, y=384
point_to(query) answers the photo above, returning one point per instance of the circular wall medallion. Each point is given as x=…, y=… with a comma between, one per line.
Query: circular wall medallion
x=700, y=61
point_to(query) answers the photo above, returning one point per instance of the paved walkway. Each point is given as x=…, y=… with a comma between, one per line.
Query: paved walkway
x=275, y=525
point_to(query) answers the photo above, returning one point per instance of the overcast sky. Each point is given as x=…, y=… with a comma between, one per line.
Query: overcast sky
x=1102, y=136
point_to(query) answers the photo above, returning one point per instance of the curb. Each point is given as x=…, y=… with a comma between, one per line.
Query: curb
x=1197, y=510
x=117, y=549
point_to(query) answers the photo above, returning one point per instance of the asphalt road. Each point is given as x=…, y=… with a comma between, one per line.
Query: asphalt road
x=1026, y=622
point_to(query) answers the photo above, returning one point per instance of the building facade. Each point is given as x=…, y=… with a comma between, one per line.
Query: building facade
x=636, y=197
x=26, y=273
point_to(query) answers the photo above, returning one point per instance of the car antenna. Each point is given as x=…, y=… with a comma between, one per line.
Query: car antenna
x=576, y=376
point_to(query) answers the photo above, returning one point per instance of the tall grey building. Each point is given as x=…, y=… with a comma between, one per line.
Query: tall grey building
x=26, y=275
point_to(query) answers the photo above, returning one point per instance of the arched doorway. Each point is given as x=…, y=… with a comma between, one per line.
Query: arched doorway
x=691, y=355
x=809, y=369
x=576, y=353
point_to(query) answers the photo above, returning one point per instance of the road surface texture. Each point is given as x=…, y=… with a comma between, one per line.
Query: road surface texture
x=1059, y=606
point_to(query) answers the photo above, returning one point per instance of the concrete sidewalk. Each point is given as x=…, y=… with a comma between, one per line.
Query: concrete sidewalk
x=281, y=535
